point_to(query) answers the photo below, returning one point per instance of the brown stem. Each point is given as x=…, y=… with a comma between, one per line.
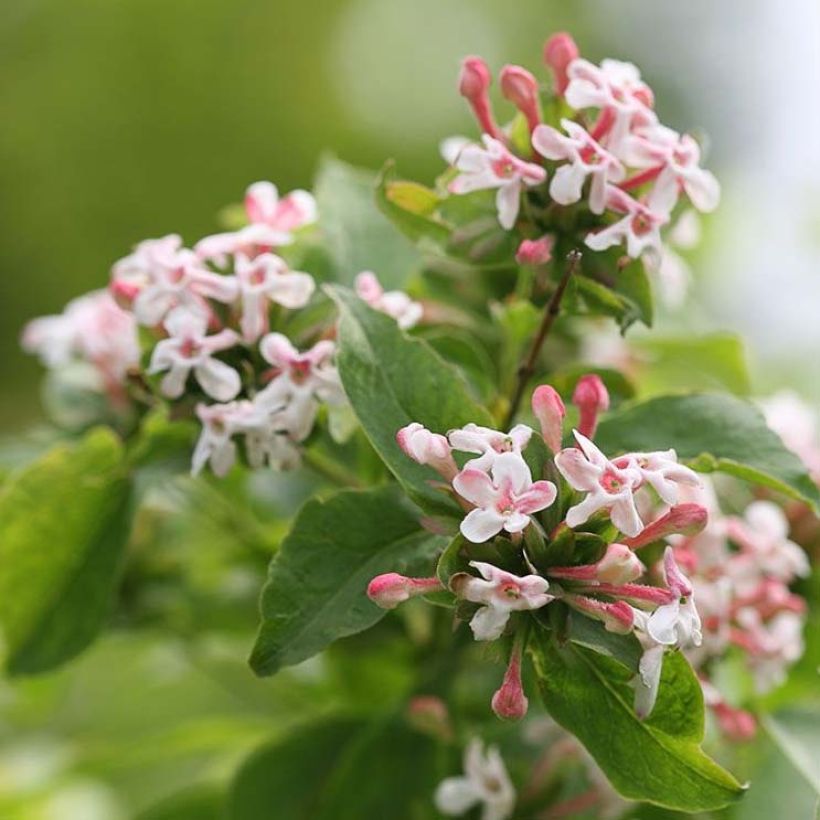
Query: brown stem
x=527, y=368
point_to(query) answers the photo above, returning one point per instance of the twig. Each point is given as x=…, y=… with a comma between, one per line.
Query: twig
x=527, y=368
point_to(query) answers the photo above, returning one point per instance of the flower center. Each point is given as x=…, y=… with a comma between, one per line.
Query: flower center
x=612, y=482
x=300, y=371
x=511, y=591
x=504, y=168
x=641, y=225
x=190, y=348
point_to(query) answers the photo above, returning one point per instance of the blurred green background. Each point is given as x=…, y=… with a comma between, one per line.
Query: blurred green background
x=126, y=119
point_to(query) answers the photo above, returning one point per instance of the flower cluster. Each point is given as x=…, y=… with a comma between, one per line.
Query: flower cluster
x=741, y=568
x=494, y=485
x=605, y=167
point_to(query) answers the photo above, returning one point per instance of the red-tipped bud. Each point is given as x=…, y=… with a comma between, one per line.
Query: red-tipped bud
x=521, y=89
x=559, y=51
x=534, y=252
x=510, y=702
x=549, y=409
x=391, y=589
x=473, y=84
x=590, y=397
x=684, y=519
x=123, y=293
x=429, y=714
x=616, y=616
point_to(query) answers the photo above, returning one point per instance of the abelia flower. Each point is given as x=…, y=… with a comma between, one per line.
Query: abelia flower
x=424, y=447
x=772, y=645
x=608, y=486
x=639, y=228
x=220, y=423
x=394, y=303
x=272, y=223
x=661, y=471
x=676, y=623
x=501, y=593
x=485, y=782
x=504, y=499
x=263, y=280
x=560, y=51
x=391, y=589
x=91, y=328
x=472, y=438
x=269, y=443
x=494, y=166
x=591, y=398
x=189, y=349
x=796, y=424
x=586, y=158
x=162, y=275
x=302, y=380
x=763, y=535
x=648, y=680
x=548, y=408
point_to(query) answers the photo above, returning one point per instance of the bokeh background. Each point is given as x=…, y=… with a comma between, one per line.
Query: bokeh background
x=124, y=119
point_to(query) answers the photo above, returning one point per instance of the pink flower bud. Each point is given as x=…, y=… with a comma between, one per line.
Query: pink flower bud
x=559, y=51
x=683, y=519
x=619, y=565
x=736, y=724
x=429, y=714
x=675, y=579
x=590, y=397
x=510, y=702
x=616, y=616
x=535, y=251
x=549, y=409
x=521, y=89
x=391, y=589
x=424, y=447
x=473, y=83
x=124, y=293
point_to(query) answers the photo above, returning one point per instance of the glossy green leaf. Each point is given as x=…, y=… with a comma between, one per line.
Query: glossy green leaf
x=358, y=237
x=392, y=380
x=64, y=522
x=796, y=732
x=658, y=760
x=316, y=588
x=710, y=432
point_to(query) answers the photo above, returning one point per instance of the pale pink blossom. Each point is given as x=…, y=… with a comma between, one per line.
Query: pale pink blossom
x=264, y=280
x=677, y=623
x=500, y=594
x=189, y=349
x=661, y=471
x=162, y=275
x=424, y=447
x=586, y=159
x=773, y=645
x=92, y=328
x=394, y=303
x=485, y=783
x=302, y=381
x=608, y=487
x=472, y=438
x=220, y=423
x=796, y=424
x=494, y=166
x=273, y=222
x=640, y=227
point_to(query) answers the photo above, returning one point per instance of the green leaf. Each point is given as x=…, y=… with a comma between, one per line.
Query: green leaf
x=626, y=649
x=357, y=235
x=658, y=760
x=316, y=588
x=710, y=432
x=392, y=380
x=632, y=282
x=64, y=522
x=602, y=300
x=796, y=732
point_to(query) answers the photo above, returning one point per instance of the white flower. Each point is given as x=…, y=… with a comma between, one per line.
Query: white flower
x=661, y=471
x=485, y=782
x=586, y=158
x=302, y=380
x=504, y=499
x=676, y=623
x=793, y=420
x=501, y=593
x=394, y=303
x=272, y=223
x=267, y=279
x=220, y=422
x=472, y=438
x=608, y=486
x=188, y=349
x=640, y=228
x=494, y=166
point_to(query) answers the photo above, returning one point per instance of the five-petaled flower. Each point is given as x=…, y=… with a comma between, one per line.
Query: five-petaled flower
x=501, y=593
x=676, y=623
x=393, y=303
x=505, y=498
x=495, y=166
x=661, y=471
x=472, y=438
x=189, y=348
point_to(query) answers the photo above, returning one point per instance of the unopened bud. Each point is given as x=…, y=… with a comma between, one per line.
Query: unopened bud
x=473, y=84
x=534, y=252
x=590, y=397
x=124, y=293
x=391, y=589
x=429, y=714
x=510, y=702
x=431, y=449
x=675, y=579
x=559, y=51
x=619, y=565
x=549, y=409
x=521, y=89
x=683, y=519
x=616, y=616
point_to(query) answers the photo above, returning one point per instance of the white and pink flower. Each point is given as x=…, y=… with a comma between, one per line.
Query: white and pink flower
x=489, y=443
x=394, y=303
